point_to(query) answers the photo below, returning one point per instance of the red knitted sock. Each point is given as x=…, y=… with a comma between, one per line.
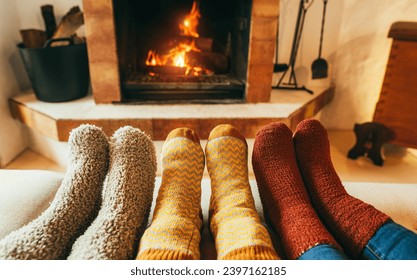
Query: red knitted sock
x=284, y=197
x=351, y=221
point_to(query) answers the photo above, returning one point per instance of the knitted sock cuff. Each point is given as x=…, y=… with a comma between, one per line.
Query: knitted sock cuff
x=355, y=224
x=164, y=254
x=251, y=253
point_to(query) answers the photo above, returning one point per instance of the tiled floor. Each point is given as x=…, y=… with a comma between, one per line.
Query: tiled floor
x=400, y=164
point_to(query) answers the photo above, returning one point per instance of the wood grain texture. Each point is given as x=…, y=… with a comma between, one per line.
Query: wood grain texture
x=397, y=104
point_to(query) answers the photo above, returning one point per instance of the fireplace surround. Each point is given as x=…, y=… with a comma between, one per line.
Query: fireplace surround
x=106, y=108
x=111, y=80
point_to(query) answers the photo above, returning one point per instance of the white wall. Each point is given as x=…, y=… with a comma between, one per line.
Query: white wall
x=30, y=12
x=16, y=15
x=361, y=57
x=356, y=47
x=12, y=138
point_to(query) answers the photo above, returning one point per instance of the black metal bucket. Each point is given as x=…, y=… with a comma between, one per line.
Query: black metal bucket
x=59, y=73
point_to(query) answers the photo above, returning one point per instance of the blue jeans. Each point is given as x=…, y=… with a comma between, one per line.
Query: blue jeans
x=390, y=242
x=323, y=252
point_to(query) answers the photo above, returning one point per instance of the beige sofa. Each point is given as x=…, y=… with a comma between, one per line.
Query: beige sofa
x=24, y=194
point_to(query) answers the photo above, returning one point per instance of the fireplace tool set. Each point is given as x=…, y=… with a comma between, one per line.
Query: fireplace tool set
x=319, y=66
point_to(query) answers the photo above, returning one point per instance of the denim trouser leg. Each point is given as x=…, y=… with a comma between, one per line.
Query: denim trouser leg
x=323, y=252
x=392, y=242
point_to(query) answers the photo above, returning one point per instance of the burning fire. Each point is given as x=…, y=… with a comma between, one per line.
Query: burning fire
x=177, y=56
x=190, y=23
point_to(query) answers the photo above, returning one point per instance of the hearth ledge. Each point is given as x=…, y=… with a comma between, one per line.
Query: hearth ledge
x=56, y=120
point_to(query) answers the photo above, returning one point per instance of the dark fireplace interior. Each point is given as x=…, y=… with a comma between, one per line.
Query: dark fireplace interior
x=183, y=49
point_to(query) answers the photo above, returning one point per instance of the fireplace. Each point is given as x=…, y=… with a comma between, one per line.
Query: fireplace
x=182, y=50
x=228, y=58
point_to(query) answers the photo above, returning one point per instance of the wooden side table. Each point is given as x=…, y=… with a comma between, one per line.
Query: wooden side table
x=397, y=104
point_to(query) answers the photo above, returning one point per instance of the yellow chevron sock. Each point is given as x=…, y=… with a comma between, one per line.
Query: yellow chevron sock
x=174, y=233
x=234, y=221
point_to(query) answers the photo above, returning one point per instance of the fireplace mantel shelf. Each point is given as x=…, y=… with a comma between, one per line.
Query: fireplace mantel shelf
x=56, y=120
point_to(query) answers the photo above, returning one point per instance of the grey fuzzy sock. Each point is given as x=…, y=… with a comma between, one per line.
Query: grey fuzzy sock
x=126, y=199
x=76, y=203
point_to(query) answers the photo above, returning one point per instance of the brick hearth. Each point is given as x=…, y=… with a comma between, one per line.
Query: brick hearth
x=56, y=120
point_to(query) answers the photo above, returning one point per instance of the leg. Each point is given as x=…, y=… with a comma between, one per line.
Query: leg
x=76, y=203
x=174, y=233
x=351, y=221
x=392, y=242
x=284, y=197
x=234, y=222
x=126, y=199
x=323, y=252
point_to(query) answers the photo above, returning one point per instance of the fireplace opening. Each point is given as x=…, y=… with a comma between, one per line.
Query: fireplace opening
x=183, y=50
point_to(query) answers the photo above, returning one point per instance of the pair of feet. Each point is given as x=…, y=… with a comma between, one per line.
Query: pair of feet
x=302, y=195
x=102, y=206
x=234, y=222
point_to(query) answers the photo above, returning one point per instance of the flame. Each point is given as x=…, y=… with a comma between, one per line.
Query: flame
x=189, y=25
x=179, y=60
x=177, y=56
x=153, y=58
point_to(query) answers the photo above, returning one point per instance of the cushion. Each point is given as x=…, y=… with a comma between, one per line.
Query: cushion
x=25, y=194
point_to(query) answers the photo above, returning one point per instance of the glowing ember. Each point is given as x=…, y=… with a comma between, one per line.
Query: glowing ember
x=177, y=56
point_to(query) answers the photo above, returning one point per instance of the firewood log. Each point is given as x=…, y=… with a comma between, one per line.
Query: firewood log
x=204, y=44
x=69, y=24
x=216, y=62
x=33, y=38
x=49, y=20
x=165, y=70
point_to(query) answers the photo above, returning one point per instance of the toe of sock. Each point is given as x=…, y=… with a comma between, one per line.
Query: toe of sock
x=128, y=135
x=183, y=132
x=310, y=128
x=132, y=145
x=88, y=140
x=223, y=130
x=311, y=137
x=274, y=133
